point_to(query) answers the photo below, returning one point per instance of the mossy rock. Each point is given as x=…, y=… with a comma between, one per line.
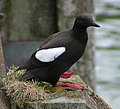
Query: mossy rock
x=22, y=93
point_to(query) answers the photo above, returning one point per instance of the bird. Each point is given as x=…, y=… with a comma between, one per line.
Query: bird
x=58, y=52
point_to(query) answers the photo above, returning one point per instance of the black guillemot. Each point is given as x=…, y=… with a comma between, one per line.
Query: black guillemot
x=58, y=52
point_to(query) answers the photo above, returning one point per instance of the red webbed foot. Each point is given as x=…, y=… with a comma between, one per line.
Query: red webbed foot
x=66, y=75
x=71, y=85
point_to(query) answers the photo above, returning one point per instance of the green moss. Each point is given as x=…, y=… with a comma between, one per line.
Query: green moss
x=21, y=93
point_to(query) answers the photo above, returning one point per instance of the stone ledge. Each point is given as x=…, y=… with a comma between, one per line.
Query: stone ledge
x=51, y=97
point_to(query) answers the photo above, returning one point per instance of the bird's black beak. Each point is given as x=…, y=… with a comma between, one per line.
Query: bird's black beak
x=96, y=25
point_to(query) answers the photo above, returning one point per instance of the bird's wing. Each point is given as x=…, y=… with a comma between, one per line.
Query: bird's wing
x=53, y=47
x=50, y=50
x=50, y=54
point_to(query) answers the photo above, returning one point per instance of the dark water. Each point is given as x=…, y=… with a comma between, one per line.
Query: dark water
x=108, y=51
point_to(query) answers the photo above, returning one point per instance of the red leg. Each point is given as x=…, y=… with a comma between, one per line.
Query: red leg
x=66, y=75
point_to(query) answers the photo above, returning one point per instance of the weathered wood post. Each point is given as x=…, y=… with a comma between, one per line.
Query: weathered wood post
x=67, y=11
x=3, y=100
x=2, y=66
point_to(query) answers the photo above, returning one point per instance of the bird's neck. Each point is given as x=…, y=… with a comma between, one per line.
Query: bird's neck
x=80, y=33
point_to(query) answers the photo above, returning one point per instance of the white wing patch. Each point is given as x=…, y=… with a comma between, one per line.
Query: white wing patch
x=49, y=55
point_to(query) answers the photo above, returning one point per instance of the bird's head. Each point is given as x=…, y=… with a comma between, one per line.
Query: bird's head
x=85, y=20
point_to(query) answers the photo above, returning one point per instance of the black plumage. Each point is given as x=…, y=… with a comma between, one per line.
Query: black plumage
x=74, y=41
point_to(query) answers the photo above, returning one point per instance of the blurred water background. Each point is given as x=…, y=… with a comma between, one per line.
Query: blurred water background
x=108, y=51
